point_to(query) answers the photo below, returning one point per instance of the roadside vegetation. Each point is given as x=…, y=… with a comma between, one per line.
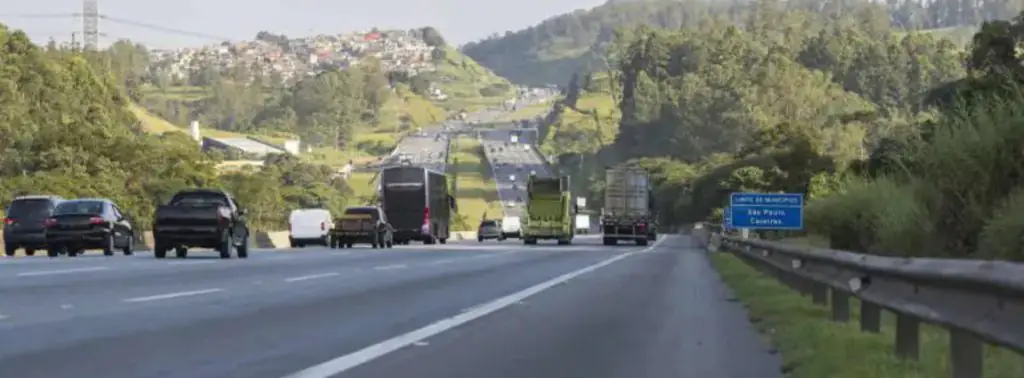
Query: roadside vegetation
x=70, y=129
x=476, y=194
x=813, y=346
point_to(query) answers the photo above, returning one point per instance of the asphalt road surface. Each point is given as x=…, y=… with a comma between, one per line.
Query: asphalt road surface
x=512, y=165
x=470, y=310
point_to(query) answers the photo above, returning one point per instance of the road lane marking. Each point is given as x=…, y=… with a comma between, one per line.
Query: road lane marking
x=173, y=295
x=191, y=262
x=372, y=352
x=61, y=271
x=311, y=277
x=390, y=267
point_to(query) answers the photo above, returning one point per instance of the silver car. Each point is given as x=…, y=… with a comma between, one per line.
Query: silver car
x=489, y=229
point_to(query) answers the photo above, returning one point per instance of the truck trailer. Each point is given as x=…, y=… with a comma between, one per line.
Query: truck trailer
x=549, y=211
x=628, y=207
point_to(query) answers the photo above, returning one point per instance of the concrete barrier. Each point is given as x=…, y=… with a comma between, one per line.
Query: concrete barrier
x=463, y=235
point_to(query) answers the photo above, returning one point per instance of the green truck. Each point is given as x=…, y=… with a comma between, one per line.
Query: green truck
x=549, y=210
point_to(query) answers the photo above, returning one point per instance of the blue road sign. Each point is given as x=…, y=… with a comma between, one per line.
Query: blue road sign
x=727, y=217
x=765, y=211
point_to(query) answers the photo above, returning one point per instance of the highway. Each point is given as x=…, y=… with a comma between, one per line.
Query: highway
x=513, y=160
x=452, y=311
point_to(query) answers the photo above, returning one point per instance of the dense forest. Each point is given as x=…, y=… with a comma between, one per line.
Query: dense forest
x=67, y=131
x=905, y=143
x=550, y=52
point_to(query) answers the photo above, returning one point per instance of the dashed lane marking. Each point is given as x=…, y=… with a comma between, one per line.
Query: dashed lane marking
x=173, y=295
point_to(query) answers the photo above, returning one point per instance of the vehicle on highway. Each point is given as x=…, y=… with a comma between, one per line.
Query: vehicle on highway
x=88, y=223
x=510, y=227
x=25, y=223
x=363, y=224
x=309, y=226
x=582, y=224
x=628, y=206
x=418, y=204
x=489, y=229
x=549, y=210
x=201, y=218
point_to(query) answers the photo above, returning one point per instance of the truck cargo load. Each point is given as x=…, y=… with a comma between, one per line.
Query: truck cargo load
x=628, y=207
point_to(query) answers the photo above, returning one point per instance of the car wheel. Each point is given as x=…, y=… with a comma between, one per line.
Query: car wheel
x=181, y=252
x=30, y=252
x=243, y=249
x=227, y=245
x=129, y=248
x=9, y=250
x=109, y=245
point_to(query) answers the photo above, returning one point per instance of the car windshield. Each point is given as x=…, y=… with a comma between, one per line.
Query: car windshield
x=488, y=224
x=79, y=207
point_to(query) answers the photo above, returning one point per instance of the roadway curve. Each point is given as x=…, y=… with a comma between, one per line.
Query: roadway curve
x=288, y=313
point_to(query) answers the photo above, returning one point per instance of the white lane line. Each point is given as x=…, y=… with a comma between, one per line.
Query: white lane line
x=442, y=262
x=372, y=352
x=173, y=295
x=61, y=271
x=191, y=262
x=390, y=267
x=310, y=277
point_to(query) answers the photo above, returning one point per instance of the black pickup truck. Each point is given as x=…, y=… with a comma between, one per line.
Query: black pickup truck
x=200, y=218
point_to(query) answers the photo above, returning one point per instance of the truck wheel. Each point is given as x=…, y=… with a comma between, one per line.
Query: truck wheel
x=226, y=245
x=480, y=239
x=291, y=243
x=443, y=240
x=10, y=249
x=30, y=252
x=610, y=241
x=641, y=242
x=564, y=242
x=180, y=252
x=53, y=250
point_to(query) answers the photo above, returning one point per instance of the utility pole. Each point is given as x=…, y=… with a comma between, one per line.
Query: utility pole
x=90, y=25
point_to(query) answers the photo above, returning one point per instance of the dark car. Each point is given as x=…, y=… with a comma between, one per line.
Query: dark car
x=89, y=223
x=362, y=225
x=200, y=218
x=25, y=223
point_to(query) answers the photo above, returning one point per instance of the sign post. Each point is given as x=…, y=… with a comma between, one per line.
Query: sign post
x=766, y=211
x=727, y=218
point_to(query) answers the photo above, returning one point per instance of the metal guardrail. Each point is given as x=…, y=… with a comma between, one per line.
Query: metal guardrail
x=977, y=301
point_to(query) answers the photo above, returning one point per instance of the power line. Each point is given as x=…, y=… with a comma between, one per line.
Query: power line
x=162, y=28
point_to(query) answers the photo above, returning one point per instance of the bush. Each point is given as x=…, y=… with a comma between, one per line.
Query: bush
x=1001, y=236
x=495, y=90
x=376, y=144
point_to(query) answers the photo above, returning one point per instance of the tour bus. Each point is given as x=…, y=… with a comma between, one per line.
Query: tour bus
x=418, y=204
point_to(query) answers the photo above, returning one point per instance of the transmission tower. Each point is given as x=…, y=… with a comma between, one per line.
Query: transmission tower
x=90, y=25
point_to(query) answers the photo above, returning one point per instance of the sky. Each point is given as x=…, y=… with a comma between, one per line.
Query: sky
x=459, y=21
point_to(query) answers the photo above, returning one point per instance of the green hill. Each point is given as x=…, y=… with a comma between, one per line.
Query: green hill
x=550, y=52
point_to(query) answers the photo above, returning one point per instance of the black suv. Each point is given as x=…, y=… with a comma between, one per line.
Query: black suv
x=25, y=223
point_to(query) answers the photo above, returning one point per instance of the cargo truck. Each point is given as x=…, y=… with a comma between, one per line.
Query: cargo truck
x=628, y=207
x=549, y=211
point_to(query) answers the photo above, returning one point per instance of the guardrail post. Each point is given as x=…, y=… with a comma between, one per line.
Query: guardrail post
x=870, y=317
x=908, y=333
x=840, y=306
x=819, y=293
x=966, y=354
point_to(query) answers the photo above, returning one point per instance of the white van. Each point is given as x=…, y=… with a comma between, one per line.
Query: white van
x=510, y=227
x=309, y=226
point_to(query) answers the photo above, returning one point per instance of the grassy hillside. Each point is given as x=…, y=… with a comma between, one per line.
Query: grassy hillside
x=468, y=84
x=551, y=51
